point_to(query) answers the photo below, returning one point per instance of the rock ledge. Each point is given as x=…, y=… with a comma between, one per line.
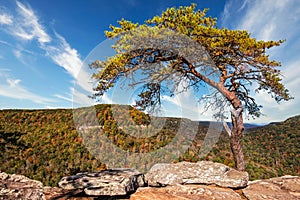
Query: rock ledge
x=203, y=180
x=203, y=172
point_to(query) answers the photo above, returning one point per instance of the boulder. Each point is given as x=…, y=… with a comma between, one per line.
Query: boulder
x=203, y=172
x=14, y=187
x=111, y=182
x=185, y=192
x=279, y=188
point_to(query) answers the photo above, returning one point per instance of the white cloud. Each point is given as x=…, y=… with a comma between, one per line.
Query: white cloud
x=25, y=56
x=226, y=15
x=28, y=26
x=6, y=19
x=269, y=19
x=25, y=25
x=81, y=99
x=22, y=34
x=187, y=105
x=59, y=50
x=11, y=87
x=5, y=43
x=64, y=55
x=266, y=20
x=54, y=107
x=106, y=99
x=63, y=97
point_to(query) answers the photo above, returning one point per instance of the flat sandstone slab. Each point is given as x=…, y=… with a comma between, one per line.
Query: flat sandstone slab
x=280, y=188
x=203, y=172
x=185, y=192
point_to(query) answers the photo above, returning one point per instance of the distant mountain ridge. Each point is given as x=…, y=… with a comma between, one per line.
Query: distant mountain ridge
x=246, y=125
x=204, y=123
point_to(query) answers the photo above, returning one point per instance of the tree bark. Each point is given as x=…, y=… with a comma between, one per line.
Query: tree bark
x=236, y=137
x=237, y=129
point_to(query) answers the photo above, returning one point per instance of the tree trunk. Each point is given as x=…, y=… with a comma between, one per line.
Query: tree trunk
x=237, y=129
x=236, y=138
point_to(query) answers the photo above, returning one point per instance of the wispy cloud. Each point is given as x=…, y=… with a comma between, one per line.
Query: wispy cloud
x=25, y=56
x=272, y=20
x=27, y=26
x=59, y=50
x=269, y=19
x=81, y=98
x=266, y=20
x=6, y=19
x=5, y=43
x=66, y=98
x=187, y=105
x=64, y=55
x=11, y=87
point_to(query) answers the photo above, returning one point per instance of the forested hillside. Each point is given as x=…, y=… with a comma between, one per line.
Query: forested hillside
x=44, y=144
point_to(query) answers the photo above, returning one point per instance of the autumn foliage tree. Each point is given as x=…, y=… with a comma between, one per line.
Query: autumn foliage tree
x=241, y=61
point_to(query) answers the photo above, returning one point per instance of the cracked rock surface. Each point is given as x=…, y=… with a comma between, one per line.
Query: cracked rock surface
x=14, y=187
x=202, y=172
x=108, y=182
x=184, y=192
x=279, y=188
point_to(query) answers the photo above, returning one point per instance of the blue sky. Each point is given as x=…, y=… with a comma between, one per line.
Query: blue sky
x=43, y=44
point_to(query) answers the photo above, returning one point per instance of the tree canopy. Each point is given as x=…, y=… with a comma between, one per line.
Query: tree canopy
x=241, y=62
